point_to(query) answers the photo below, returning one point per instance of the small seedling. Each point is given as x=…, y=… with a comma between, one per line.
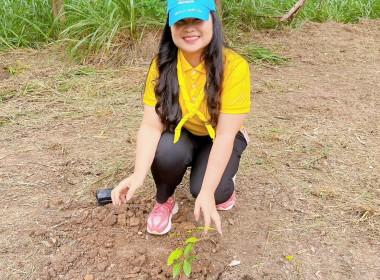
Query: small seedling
x=324, y=155
x=19, y=69
x=260, y=162
x=289, y=258
x=366, y=196
x=181, y=257
x=323, y=195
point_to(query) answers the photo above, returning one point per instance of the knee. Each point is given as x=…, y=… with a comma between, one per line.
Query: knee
x=196, y=181
x=169, y=155
x=194, y=190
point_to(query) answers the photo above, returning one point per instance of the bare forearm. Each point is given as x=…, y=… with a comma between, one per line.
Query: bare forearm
x=147, y=141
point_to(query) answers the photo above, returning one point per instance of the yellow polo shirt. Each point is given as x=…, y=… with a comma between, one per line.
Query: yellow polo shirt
x=236, y=89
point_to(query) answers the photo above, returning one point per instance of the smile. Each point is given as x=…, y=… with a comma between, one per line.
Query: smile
x=191, y=39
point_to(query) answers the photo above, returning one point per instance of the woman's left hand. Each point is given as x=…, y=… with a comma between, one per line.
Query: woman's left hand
x=206, y=202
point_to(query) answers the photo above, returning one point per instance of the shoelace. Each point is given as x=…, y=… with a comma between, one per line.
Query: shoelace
x=162, y=209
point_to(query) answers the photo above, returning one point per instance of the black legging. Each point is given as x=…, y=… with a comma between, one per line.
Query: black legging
x=172, y=160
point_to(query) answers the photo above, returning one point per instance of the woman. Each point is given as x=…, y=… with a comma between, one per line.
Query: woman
x=196, y=98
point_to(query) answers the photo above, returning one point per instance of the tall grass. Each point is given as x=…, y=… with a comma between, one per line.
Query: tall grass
x=25, y=23
x=90, y=24
x=240, y=14
x=347, y=11
x=94, y=25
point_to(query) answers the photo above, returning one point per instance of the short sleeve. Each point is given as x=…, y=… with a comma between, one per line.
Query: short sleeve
x=236, y=91
x=149, y=94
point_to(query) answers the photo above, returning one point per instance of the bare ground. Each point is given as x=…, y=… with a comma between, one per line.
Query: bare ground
x=308, y=188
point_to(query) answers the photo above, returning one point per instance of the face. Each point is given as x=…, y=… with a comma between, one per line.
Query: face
x=192, y=35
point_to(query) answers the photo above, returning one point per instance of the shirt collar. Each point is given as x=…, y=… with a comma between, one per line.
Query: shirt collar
x=186, y=65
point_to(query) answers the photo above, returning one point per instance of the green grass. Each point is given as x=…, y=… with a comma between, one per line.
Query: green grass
x=92, y=25
x=96, y=25
x=256, y=54
x=265, y=13
x=25, y=23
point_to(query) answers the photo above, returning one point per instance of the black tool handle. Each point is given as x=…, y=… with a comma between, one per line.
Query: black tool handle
x=104, y=196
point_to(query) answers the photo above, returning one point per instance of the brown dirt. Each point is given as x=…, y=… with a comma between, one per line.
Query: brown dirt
x=308, y=187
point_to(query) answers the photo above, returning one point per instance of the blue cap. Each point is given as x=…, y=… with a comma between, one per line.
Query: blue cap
x=180, y=9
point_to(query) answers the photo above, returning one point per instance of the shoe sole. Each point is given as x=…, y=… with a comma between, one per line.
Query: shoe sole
x=225, y=209
x=169, y=226
x=221, y=208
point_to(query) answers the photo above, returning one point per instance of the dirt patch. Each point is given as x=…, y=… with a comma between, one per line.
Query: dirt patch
x=308, y=187
x=111, y=242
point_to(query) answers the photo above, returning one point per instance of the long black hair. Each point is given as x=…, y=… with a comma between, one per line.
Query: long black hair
x=167, y=87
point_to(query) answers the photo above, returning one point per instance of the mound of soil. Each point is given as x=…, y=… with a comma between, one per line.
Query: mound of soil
x=111, y=241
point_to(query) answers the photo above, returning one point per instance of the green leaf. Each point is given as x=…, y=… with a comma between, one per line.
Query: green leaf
x=174, y=255
x=87, y=70
x=187, y=268
x=174, y=234
x=366, y=196
x=188, y=249
x=34, y=25
x=189, y=259
x=325, y=152
x=289, y=258
x=323, y=195
x=177, y=269
x=192, y=240
x=208, y=228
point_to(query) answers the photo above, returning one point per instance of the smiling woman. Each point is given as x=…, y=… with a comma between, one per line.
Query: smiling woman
x=196, y=99
x=192, y=35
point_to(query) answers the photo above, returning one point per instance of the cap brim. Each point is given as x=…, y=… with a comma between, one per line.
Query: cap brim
x=182, y=12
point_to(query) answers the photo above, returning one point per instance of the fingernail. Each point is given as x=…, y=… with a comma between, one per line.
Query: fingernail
x=220, y=232
x=128, y=197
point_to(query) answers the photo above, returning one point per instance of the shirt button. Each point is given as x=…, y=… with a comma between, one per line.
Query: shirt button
x=194, y=72
x=194, y=99
x=193, y=86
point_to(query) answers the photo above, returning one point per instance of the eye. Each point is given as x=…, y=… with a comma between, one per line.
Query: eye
x=180, y=22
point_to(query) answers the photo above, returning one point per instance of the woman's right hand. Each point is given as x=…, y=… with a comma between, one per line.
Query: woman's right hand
x=146, y=145
x=126, y=188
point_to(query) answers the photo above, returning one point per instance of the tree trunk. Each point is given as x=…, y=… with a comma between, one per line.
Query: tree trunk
x=57, y=7
x=218, y=4
x=293, y=11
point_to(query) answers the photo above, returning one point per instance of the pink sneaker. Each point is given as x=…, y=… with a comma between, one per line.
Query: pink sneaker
x=228, y=204
x=160, y=219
